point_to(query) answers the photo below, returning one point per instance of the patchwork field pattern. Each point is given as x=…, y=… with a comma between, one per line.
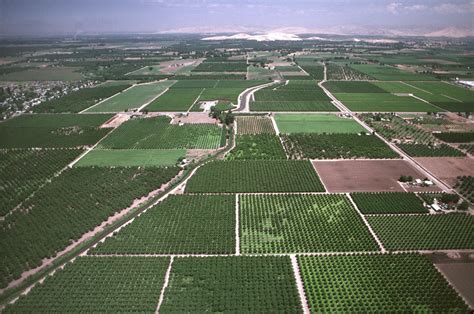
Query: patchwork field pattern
x=179, y=225
x=301, y=224
x=63, y=210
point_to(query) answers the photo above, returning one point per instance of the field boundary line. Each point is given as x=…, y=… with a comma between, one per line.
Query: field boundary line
x=374, y=235
x=154, y=98
x=165, y=285
x=421, y=89
x=237, y=225
x=89, y=149
x=425, y=101
x=275, y=126
x=320, y=178
x=455, y=99
x=471, y=306
x=299, y=284
x=196, y=100
x=103, y=100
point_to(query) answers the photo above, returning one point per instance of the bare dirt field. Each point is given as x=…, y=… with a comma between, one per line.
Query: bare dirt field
x=194, y=117
x=366, y=175
x=448, y=168
x=461, y=276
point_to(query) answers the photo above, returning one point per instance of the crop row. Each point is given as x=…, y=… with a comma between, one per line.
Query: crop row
x=469, y=148
x=92, y=284
x=388, y=203
x=257, y=146
x=255, y=176
x=424, y=150
x=179, y=225
x=334, y=146
x=158, y=133
x=337, y=71
x=254, y=125
x=376, y=284
x=465, y=186
x=23, y=171
x=456, y=137
x=232, y=284
x=51, y=131
x=424, y=232
x=63, y=210
x=301, y=224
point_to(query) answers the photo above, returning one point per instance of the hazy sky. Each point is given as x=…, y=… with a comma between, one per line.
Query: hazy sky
x=91, y=16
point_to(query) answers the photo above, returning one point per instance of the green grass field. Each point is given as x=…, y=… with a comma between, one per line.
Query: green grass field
x=352, y=87
x=384, y=102
x=134, y=97
x=131, y=157
x=175, y=99
x=316, y=123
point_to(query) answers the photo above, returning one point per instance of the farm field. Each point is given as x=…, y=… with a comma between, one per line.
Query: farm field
x=247, y=125
x=424, y=232
x=335, y=146
x=255, y=176
x=388, y=203
x=44, y=74
x=301, y=224
x=179, y=225
x=372, y=175
x=68, y=207
x=316, y=123
x=175, y=99
x=231, y=284
x=134, y=178
x=132, y=98
x=80, y=100
x=24, y=171
x=158, y=133
x=131, y=157
x=388, y=73
x=119, y=284
x=294, y=95
x=383, y=102
x=50, y=131
x=401, y=282
x=211, y=66
x=257, y=146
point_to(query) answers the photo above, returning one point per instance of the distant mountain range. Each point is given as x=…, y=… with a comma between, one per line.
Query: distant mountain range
x=293, y=33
